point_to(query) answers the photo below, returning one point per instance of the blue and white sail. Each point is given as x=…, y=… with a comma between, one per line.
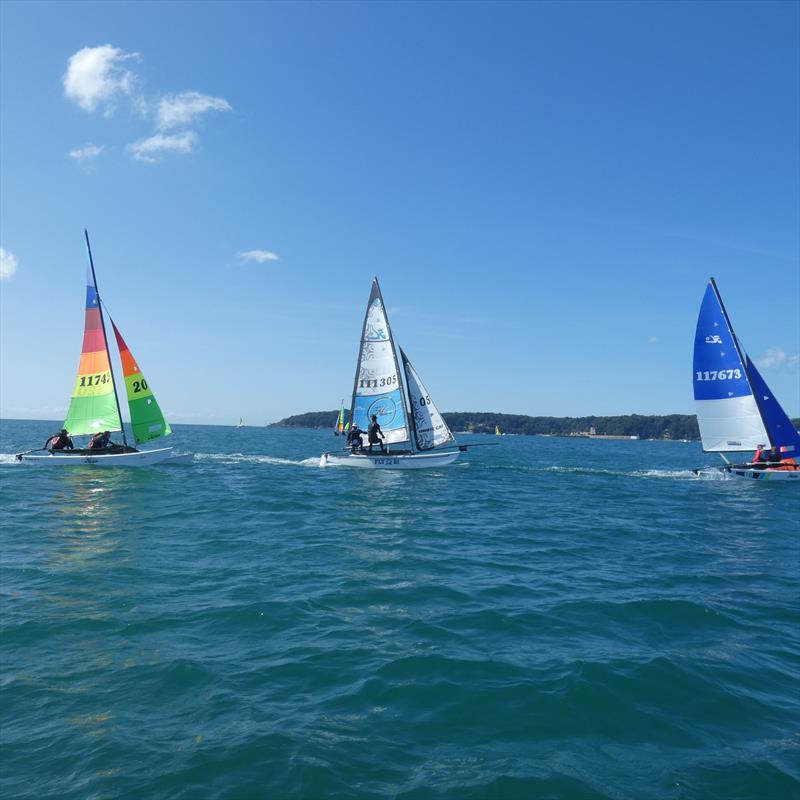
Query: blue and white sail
x=378, y=387
x=780, y=429
x=430, y=429
x=727, y=412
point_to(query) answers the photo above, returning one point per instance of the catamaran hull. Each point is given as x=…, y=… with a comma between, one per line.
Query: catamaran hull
x=389, y=461
x=143, y=458
x=766, y=474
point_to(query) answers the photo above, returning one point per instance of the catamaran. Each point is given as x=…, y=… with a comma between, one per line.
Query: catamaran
x=414, y=431
x=339, y=426
x=94, y=407
x=736, y=411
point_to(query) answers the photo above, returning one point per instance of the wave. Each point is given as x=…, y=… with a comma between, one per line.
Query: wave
x=241, y=458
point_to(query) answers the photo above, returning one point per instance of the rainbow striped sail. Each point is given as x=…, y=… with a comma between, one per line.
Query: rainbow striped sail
x=93, y=406
x=147, y=420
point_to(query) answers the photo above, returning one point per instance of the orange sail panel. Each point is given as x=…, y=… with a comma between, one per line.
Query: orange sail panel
x=147, y=420
x=93, y=406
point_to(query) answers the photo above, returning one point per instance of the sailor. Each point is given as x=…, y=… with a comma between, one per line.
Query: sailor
x=774, y=456
x=100, y=441
x=375, y=434
x=59, y=441
x=354, y=438
x=759, y=456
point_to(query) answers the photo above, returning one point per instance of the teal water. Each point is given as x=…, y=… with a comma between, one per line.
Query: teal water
x=547, y=619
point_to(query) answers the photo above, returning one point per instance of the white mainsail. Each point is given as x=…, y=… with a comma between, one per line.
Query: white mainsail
x=378, y=388
x=430, y=429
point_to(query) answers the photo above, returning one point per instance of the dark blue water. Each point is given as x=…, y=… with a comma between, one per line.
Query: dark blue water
x=547, y=619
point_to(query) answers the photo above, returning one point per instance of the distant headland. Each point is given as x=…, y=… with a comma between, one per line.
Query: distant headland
x=641, y=426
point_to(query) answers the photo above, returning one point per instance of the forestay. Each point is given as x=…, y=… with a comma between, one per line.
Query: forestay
x=727, y=413
x=147, y=421
x=430, y=429
x=378, y=387
x=93, y=406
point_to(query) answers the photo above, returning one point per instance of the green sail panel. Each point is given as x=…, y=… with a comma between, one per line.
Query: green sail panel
x=147, y=421
x=93, y=407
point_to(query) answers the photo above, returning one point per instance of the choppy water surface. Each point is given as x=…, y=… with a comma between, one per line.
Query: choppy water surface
x=546, y=619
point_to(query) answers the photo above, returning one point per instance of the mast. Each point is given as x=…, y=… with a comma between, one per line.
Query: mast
x=105, y=337
x=742, y=356
x=414, y=440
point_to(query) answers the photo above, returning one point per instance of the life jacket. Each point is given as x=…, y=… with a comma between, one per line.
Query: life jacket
x=787, y=465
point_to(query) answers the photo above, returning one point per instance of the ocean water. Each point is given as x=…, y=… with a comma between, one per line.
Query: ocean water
x=547, y=618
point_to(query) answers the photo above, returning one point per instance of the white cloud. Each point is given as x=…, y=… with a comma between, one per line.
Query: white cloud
x=88, y=151
x=8, y=264
x=259, y=256
x=778, y=357
x=179, y=110
x=95, y=75
x=152, y=148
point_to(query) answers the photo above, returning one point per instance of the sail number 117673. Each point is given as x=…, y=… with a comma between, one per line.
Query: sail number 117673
x=719, y=375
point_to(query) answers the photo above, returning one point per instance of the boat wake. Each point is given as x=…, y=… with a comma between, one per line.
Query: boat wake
x=240, y=458
x=710, y=474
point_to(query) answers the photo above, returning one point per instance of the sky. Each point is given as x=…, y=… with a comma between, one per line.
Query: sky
x=543, y=190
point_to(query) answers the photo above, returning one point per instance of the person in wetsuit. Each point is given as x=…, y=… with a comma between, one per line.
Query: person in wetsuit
x=774, y=456
x=100, y=441
x=59, y=441
x=375, y=434
x=354, y=438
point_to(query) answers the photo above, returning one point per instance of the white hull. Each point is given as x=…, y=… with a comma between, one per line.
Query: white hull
x=388, y=460
x=765, y=474
x=144, y=458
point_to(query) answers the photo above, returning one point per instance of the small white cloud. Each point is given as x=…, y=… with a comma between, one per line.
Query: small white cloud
x=653, y=340
x=152, y=148
x=95, y=75
x=180, y=110
x=777, y=357
x=88, y=151
x=259, y=256
x=8, y=264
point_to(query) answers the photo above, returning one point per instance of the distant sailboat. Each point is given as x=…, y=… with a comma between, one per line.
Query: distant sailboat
x=240, y=423
x=339, y=426
x=736, y=411
x=399, y=400
x=497, y=431
x=94, y=407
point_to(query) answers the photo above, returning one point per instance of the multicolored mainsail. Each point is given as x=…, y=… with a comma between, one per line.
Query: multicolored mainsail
x=93, y=406
x=147, y=420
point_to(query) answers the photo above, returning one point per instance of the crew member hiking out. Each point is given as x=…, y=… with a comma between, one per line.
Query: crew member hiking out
x=375, y=434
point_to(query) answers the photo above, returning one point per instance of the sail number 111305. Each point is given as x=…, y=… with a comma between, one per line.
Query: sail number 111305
x=719, y=375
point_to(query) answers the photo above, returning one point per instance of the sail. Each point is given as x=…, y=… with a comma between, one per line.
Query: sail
x=378, y=387
x=93, y=406
x=430, y=429
x=339, y=426
x=727, y=413
x=147, y=420
x=781, y=431
x=497, y=431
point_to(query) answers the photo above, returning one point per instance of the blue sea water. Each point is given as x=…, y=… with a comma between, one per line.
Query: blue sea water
x=548, y=618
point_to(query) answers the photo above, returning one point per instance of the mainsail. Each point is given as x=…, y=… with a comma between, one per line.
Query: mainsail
x=93, y=406
x=378, y=386
x=147, y=420
x=727, y=412
x=430, y=429
x=338, y=426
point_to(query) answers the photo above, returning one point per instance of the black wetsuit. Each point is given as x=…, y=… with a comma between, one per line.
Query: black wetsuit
x=59, y=441
x=354, y=439
x=99, y=441
x=375, y=436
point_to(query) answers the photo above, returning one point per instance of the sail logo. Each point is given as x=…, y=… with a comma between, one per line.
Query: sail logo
x=714, y=339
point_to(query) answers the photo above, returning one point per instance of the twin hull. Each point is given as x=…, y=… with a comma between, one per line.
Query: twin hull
x=766, y=474
x=389, y=461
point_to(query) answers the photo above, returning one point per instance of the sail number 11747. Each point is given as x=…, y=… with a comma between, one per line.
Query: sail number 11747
x=719, y=375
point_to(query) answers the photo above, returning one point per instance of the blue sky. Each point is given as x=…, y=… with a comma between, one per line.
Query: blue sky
x=543, y=190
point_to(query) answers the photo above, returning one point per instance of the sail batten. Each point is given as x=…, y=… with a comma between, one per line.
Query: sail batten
x=147, y=421
x=378, y=386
